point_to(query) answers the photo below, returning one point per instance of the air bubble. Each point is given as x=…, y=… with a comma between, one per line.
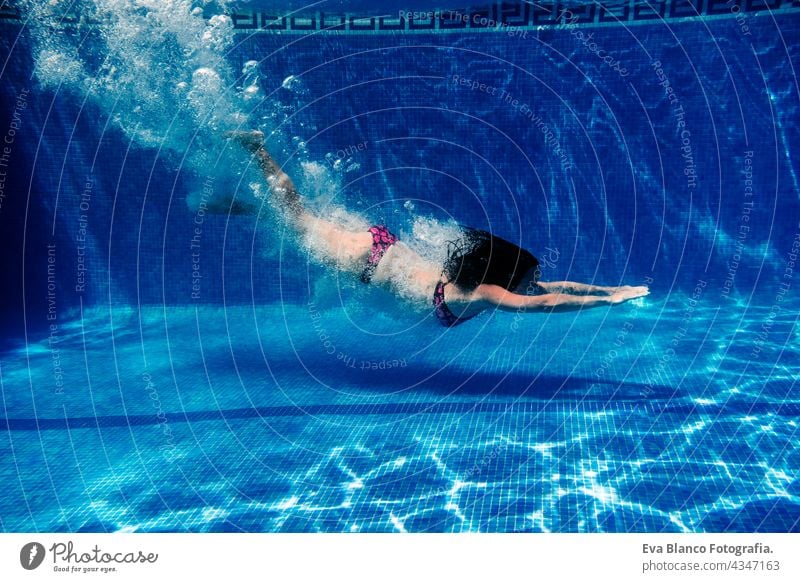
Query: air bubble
x=250, y=92
x=293, y=84
x=55, y=68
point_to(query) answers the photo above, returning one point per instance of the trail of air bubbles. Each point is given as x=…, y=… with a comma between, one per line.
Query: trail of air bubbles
x=159, y=70
x=156, y=67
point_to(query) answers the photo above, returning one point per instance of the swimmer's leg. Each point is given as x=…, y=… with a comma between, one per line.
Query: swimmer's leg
x=279, y=182
x=327, y=240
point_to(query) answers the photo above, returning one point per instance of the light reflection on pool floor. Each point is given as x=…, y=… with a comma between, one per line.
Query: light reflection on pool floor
x=198, y=423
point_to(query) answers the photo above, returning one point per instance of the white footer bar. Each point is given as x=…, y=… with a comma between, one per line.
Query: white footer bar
x=389, y=557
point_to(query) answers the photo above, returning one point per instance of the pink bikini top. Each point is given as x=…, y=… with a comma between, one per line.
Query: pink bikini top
x=382, y=239
x=446, y=317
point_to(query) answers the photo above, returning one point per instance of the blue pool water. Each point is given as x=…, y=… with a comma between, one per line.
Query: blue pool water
x=167, y=369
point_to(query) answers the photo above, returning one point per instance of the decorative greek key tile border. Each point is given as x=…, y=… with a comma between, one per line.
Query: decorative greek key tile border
x=506, y=17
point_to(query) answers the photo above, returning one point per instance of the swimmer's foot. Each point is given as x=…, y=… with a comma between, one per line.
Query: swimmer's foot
x=252, y=140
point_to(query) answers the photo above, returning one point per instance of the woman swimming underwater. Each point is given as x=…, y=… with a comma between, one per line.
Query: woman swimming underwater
x=482, y=271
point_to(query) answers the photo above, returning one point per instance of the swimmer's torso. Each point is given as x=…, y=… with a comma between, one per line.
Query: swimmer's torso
x=406, y=273
x=401, y=270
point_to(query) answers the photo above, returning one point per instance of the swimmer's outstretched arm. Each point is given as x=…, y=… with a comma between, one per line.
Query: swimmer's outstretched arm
x=504, y=299
x=577, y=288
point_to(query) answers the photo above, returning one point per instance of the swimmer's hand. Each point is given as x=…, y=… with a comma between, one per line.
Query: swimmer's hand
x=627, y=293
x=252, y=140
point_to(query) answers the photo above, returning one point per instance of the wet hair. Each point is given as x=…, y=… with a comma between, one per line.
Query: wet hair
x=480, y=257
